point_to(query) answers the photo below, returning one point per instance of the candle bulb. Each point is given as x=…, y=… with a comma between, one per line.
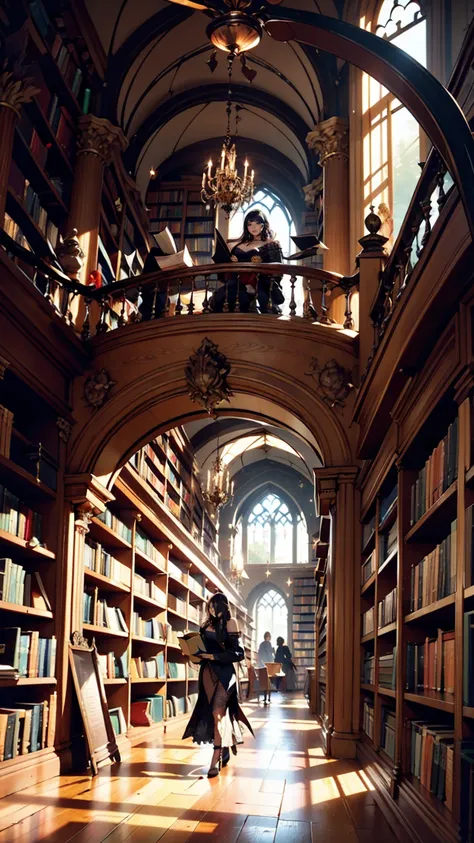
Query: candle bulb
x=209, y=168
x=245, y=170
x=203, y=184
x=222, y=157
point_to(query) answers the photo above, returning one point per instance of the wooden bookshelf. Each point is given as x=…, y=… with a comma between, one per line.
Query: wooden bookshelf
x=178, y=205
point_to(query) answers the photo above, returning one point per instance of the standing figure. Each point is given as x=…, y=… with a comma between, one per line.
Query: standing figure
x=256, y=245
x=266, y=653
x=284, y=657
x=217, y=713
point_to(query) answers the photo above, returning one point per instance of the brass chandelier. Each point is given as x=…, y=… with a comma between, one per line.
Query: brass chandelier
x=226, y=187
x=220, y=488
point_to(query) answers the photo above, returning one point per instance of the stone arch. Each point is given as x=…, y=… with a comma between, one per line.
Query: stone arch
x=147, y=364
x=258, y=592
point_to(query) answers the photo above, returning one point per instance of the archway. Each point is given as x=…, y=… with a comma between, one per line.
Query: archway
x=271, y=615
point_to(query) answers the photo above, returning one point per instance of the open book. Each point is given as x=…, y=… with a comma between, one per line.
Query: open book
x=165, y=254
x=191, y=645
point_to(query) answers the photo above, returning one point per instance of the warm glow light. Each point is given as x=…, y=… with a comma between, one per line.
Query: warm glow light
x=248, y=443
x=324, y=790
x=351, y=784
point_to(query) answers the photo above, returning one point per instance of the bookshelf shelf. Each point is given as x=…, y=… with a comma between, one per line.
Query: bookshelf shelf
x=147, y=601
x=386, y=692
x=23, y=482
x=26, y=680
x=369, y=584
x=468, y=711
x=386, y=562
x=367, y=687
x=25, y=610
x=174, y=647
x=366, y=638
x=152, y=641
x=108, y=537
x=114, y=682
x=432, y=523
x=390, y=518
x=432, y=609
x=105, y=583
x=92, y=629
x=469, y=592
x=150, y=681
x=144, y=561
x=432, y=699
x=385, y=630
x=20, y=544
x=369, y=545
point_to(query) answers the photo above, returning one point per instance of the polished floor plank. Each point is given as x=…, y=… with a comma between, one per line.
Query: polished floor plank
x=280, y=788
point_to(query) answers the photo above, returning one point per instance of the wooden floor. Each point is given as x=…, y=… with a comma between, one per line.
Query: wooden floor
x=279, y=789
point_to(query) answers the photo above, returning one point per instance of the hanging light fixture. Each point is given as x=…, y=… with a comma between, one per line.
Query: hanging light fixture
x=220, y=488
x=225, y=187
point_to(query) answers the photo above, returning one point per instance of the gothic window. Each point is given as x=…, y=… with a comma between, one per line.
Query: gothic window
x=272, y=616
x=391, y=134
x=278, y=215
x=273, y=533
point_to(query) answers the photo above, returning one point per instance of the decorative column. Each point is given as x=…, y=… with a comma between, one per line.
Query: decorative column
x=337, y=497
x=13, y=93
x=331, y=140
x=97, y=142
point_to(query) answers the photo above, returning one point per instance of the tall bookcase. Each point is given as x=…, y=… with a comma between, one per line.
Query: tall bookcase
x=178, y=205
x=304, y=599
x=152, y=556
x=417, y=591
x=30, y=477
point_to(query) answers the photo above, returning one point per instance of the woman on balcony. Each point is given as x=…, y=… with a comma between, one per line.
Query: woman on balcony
x=217, y=715
x=257, y=245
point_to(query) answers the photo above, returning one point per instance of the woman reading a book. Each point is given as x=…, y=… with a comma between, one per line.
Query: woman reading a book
x=256, y=245
x=217, y=715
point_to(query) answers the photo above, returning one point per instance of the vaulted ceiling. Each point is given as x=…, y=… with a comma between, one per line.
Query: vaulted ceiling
x=161, y=91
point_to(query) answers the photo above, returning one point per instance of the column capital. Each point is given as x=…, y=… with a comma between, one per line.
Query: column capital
x=331, y=139
x=15, y=91
x=312, y=191
x=327, y=481
x=87, y=493
x=98, y=136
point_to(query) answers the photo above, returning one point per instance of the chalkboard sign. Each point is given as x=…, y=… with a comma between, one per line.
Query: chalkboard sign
x=99, y=732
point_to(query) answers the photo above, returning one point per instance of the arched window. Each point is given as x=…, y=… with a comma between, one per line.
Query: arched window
x=391, y=134
x=279, y=217
x=272, y=616
x=274, y=533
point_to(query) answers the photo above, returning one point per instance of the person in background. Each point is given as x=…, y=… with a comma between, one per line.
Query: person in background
x=284, y=657
x=266, y=653
x=217, y=714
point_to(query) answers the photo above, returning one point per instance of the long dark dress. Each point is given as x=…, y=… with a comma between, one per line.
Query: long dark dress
x=268, y=253
x=284, y=657
x=218, y=690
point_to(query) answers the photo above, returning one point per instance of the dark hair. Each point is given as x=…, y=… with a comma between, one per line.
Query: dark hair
x=256, y=216
x=280, y=641
x=219, y=603
x=265, y=635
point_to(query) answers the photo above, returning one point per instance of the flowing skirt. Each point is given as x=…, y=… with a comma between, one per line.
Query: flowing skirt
x=214, y=696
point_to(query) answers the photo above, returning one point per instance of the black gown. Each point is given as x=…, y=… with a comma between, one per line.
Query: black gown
x=268, y=253
x=218, y=689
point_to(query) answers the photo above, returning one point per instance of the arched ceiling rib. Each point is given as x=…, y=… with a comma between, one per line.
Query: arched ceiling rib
x=158, y=73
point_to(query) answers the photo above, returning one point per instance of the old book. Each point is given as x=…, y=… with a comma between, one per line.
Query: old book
x=178, y=260
x=192, y=645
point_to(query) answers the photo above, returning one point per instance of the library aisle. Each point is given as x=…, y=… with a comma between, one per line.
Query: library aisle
x=279, y=789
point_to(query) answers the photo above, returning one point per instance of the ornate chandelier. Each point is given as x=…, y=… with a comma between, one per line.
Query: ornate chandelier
x=225, y=187
x=220, y=488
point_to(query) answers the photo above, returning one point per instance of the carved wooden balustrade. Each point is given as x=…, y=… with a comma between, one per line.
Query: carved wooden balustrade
x=190, y=291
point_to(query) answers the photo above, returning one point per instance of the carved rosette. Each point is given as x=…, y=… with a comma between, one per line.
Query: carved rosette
x=331, y=139
x=206, y=376
x=97, y=136
x=333, y=381
x=96, y=388
x=312, y=191
x=13, y=91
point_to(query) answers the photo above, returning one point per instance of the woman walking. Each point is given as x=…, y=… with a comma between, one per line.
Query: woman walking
x=217, y=713
x=266, y=654
x=284, y=657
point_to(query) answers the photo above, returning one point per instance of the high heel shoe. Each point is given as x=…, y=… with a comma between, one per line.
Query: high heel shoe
x=214, y=771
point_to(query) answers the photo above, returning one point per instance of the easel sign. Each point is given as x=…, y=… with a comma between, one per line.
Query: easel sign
x=99, y=732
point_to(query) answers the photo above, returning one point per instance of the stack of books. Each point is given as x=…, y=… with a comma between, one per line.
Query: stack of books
x=387, y=667
x=368, y=718
x=176, y=670
x=97, y=559
x=113, y=666
x=368, y=621
x=17, y=518
x=435, y=576
x=432, y=757
x=153, y=668
x=27, y=727
x=437, y=475
x=99, y=613
x=147, y=711
x=430, y=666
x=6, y=423
x=26, y=653
x=22, y=588
x=149, y=628
x=387, y=736
x=387, y=609
x=115, y=524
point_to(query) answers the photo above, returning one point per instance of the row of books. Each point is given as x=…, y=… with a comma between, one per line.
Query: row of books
x=167, y=212
x=99, y=613
x=303, y=627
x=200, y=228
x=430, y=666
x=432, y=757
x=368, y=621
x=437, y=474
x=194, y=614
x=172, y=505
x=177, y=605
x=173, y=226
x=22, y=588
x=145, y=544
x=113, y=666
x=6, y=424
x=27, y=727
x=195, y=586
x=368, y=530
x=387, y=609
x=175, y=571
x=387, y=667
x=99, y=560
x=148, y=588
x=176, y=670
x=368, y=669
x=389, y=543
x=24, y=653
x=200, y=244
x=116, y=525
x=368, y=718
x=147, y=711
x=368, y=568
x=302, y=601
x=148, y=474
x=152, y=668
x=155, y=197
x=435, y=576
x=387, y=737
x=387, y=502
x=17, y=518
x=307, y=617
x=150, y=628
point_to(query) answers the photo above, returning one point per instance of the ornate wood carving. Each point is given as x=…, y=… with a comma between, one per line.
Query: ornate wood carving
x=334, y=382
x=97, y=136
x=65, y=428
x=97, y=387
x=78, y=640
x=14, y=91
x=331, y=139
x=206, y=376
